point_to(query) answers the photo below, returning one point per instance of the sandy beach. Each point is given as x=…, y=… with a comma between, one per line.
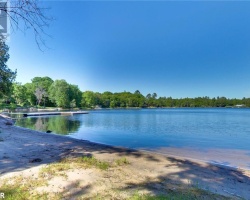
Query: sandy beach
x=24, y=152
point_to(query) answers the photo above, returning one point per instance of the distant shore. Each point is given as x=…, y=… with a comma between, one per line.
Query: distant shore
x=55, y=109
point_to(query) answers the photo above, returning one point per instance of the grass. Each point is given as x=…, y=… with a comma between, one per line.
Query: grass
x=21, y=188
x=55, y=169
x=122, y=161
x=86, y=162
x=184, y=194
x=59, y=168
x=93, y=162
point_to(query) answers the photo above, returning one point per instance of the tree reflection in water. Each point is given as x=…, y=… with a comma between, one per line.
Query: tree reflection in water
x=57, y=124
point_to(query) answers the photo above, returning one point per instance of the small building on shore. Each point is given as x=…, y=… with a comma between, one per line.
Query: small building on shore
x=240, y=106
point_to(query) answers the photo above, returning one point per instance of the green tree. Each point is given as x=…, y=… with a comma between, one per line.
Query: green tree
x=140, y=100
x=105, y=99
x=59, y=93
x=38, y=83
x=137, y=92
x=19, y=94
x=154, y=95
x=148, y=96
x=90, y=99
x=40, y=93
x=7, y=76
x=150, y=99
x=73, y=103
x=75, y=96
x=30, y=94
x=221, y=101
x=44, y=82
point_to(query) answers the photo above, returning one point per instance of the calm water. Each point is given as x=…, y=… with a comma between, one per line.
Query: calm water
x=178, y=131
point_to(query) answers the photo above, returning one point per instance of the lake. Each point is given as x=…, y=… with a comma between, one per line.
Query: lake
x=217, y=135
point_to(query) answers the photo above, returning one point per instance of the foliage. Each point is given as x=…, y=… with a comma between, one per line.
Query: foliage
x=92, y=161
x=122, y=161
x=19, y=94
x=54, y=169
x=40, y=88
x=75, y=96
x=44, y=82
x=62, y=94
x=37, y=91
x=126, y=99
x=30, y=94
x=13, y=190
x=40, y=93
x=59, y=93
x=187, y=194
x=7, y=76
x=90, y=99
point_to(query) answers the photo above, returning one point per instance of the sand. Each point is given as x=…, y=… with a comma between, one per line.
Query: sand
x=24, y=151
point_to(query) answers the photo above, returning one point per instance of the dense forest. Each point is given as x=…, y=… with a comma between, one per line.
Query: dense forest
x=45, y=92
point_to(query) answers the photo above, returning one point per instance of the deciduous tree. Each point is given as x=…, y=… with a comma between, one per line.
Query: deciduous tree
x=59, y=93
x=7, y=76
x=40, y=93
x=19, y=93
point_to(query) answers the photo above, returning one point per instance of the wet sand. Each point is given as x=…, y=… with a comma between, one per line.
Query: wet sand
x=239, y=159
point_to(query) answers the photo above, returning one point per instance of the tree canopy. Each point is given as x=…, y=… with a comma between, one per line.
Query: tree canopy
x=7, y=76
x=45, y=91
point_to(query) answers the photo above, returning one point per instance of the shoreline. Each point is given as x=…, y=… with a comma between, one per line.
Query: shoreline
x=227, y=157
x=21, y=146
x=149, y=151
x=153, y=151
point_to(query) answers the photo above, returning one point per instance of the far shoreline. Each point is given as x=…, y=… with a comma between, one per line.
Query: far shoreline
x=22, y=110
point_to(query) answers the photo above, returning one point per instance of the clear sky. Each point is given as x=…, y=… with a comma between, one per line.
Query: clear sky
x=178, y=49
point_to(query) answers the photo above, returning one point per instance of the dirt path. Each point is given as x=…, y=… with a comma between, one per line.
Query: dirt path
x=24, y=151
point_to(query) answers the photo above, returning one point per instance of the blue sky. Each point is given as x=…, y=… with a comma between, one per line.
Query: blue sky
x=178, y=49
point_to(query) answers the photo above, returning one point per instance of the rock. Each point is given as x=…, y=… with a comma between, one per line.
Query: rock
x=48, y=131
x=9, y=123
x=6, y=157
x=35, y=160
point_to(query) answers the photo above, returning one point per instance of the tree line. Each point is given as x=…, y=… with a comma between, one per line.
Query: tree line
x=45, y=92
